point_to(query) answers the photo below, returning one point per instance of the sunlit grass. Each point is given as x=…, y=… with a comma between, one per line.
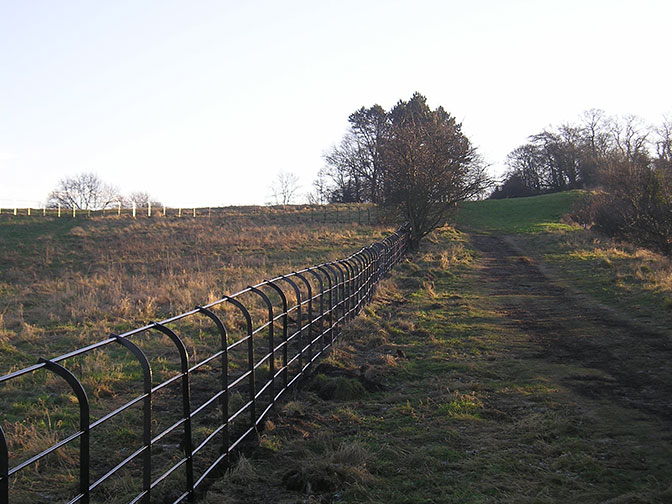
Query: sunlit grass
x=534, y=214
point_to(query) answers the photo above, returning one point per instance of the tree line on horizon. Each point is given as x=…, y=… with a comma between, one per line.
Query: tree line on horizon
x=625, y=163
x=583, y=155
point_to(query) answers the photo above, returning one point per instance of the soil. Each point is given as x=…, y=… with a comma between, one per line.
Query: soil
x=627, y=363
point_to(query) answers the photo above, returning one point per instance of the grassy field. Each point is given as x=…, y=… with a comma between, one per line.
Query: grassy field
x=500, y=363
x=515, y=358
x=520, y=215
x=65, y=283
x=628, y=279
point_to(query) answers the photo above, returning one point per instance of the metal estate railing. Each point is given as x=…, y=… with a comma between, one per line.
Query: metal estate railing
x=184, y=412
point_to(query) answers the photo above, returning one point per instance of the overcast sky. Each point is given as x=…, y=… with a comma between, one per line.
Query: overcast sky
x=203, y=102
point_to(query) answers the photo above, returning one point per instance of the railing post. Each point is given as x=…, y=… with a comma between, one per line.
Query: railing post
x=271, y=343
x=319, y=280
x=299, y=321
x=340, y=291
x=4, y=468
x=186, y=404
x=283, y=298
x=348, y=292
x=359, y=283
x=310, y=316
x=146, y=414
x=84, y=454
x=224, y=378
x=252, y=387
x=325, y=269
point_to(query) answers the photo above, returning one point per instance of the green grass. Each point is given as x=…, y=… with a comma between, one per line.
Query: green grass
x=471, y=379
x=494, y=390
x=501, y=424
x=624, y=277
x=517, y=215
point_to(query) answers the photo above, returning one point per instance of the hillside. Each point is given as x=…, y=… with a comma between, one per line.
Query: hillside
x=516, y=359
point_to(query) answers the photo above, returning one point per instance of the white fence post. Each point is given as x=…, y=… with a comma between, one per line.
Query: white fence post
x=134, y=209
x=149, y=209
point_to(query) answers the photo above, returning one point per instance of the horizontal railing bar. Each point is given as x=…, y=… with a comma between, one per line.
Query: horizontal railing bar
x=241, y=410
x=168, y=430
x=291, y=382
x=207, y=403
x=139, y=497
x=239, y=379
x=44, y=453
x=211, y=468
x=263, y=414
x=279, y=394
x=167, y=382
x=208, y=438
x=237, y=441
x=170, y=471
x=204, y=362
x=237, y=343
x=114, y=413
x=182, y=497
x=262, y=390
x=78, y=498
x=121, y=464
x=263, y=360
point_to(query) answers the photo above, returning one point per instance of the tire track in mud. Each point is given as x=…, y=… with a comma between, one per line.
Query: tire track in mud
x=628, y=363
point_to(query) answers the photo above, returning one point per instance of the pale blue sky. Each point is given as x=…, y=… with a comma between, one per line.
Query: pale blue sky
x=203, y=102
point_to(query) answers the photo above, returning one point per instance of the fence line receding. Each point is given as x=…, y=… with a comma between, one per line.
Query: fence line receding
x=186, y=411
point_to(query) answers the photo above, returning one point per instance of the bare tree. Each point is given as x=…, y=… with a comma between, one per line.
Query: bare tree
x=83, y=192
x=524, y=164
x=630, y=136
x=141, y=199
x=320, y=193
x=663, y=144
x=356, y=165
x=284, y=188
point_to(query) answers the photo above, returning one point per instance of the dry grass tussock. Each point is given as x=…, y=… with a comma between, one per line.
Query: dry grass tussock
x=650, y=270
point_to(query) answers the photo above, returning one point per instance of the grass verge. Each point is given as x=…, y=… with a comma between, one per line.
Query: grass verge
x=477, y=389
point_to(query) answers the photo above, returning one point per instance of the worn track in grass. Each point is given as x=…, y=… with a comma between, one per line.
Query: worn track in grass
x=571, y=329
x=498, y=385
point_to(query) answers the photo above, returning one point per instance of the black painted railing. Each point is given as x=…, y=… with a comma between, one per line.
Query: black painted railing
x=267, y=337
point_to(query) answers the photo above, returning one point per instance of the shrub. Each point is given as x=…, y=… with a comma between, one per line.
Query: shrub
x=638, y=208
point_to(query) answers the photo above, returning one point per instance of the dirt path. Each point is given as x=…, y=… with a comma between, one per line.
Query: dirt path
x=496, y=385
x=628, y=364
